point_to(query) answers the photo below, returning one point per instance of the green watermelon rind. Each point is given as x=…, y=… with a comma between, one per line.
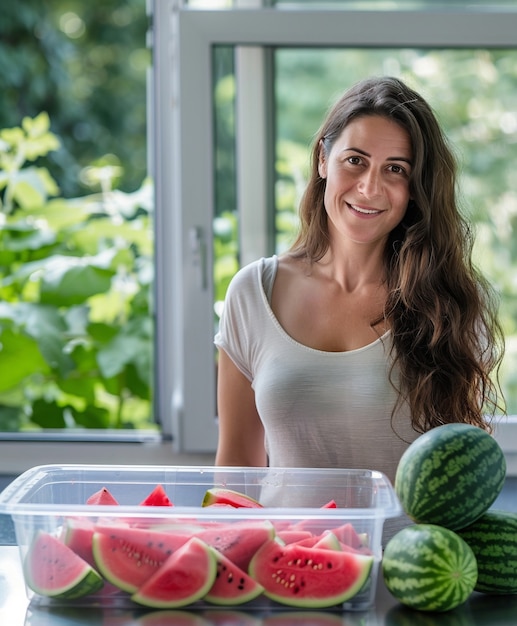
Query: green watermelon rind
x=450, y=475
x=493, y=539
x=90, y=582
x=86, y=582
x=265, y=555
x=216, y=593
x=429, y=568
x=222, y=495
x=327, y=541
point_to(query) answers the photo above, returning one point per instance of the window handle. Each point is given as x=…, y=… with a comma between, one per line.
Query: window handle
x=198, y=258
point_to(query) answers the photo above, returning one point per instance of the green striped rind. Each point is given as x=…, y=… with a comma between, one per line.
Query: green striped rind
x=52, y=569
x=450, y=475
x=430, y=568
x=493, y=539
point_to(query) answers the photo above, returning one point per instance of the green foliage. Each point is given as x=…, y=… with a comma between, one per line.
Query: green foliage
x=76, y=331
x=86, y=65
x=225, y=253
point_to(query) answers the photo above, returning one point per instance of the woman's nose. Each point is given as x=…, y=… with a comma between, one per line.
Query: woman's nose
x=370, y=183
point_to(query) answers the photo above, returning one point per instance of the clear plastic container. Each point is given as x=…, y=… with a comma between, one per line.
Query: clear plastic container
x=48, y=499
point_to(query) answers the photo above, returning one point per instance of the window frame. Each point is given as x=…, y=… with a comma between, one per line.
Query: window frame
x=181, y=146
x=186, y=157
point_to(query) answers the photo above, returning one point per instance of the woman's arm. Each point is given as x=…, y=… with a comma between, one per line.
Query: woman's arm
x=241, y=434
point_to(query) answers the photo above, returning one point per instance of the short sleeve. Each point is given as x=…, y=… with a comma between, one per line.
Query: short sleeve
x=235, y=328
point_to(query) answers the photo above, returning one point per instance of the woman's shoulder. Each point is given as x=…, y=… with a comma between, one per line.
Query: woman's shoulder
x=248, y=291
x=253, y=274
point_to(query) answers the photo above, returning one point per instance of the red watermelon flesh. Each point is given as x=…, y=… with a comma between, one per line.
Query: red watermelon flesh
x=309, y=542
x=232, y=586
x=239, y=541
x=185, y=577
x=348, y=535
x=318, y=541
x=291, y=536
x=298, y=576
x=77, y=534
x=157, y=497
x=53, y=569
x=361, y=550
x=103, y=496
x=128, y=557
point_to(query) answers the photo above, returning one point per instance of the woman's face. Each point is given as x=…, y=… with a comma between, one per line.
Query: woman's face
x=367, y=180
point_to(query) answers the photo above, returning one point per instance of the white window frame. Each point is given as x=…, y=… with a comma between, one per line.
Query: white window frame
x=185, y=165
x=182, y=167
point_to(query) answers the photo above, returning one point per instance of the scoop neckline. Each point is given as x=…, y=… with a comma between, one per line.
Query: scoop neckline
x=288, y=337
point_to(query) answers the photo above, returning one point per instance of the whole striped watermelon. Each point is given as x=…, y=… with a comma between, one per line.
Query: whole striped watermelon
x=428, y=567
x=493, y=539
x=450, y=475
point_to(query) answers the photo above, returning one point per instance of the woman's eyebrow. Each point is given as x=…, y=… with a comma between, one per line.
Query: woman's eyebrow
x=393, y=158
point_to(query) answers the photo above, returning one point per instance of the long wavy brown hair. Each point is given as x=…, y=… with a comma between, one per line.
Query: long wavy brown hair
x=447, y=340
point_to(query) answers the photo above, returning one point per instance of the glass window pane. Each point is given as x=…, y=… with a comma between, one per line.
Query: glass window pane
x=226, y=244
x=76, y=227
x=474, y=93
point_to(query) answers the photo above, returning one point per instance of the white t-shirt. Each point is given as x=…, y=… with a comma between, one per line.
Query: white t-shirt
x=319, y=409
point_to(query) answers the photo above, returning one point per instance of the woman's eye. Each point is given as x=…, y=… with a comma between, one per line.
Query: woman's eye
x=397, y=169
x=354, y=160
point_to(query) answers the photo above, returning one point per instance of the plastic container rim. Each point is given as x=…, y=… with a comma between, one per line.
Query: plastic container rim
x=11, y=498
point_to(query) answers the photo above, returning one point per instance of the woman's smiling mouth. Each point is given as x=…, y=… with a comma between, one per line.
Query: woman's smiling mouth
x=363, y=210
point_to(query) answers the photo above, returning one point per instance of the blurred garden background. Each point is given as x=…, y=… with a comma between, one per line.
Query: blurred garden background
x=76, y=236
x=76, y=194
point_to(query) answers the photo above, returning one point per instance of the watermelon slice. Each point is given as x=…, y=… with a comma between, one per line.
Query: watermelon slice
x=309, y=542
x=292, y=536
x=77, y=534
x=185, y=577
x=328, y=541
x=128, y=557
x=238, y=541
x=157, y=497
x=232, y=585
x=348, y=534
x=103, y=496
x=220, y=495
x=54, y=570
x=298, y=576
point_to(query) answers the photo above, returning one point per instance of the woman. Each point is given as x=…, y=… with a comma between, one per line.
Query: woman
x=374, y=327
